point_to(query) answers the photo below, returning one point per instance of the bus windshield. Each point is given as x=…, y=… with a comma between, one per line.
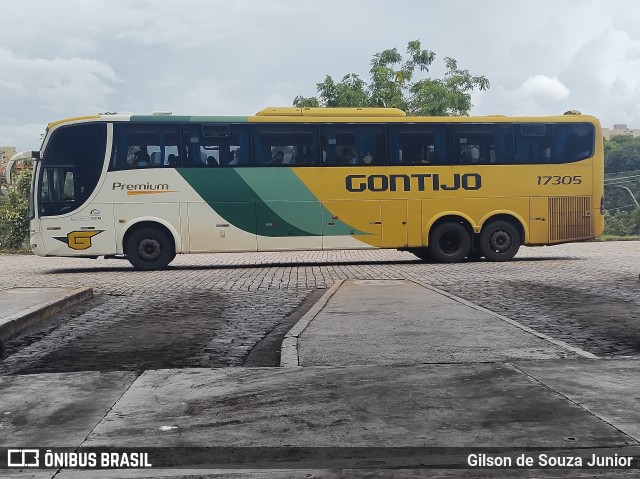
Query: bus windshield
x=71, y=166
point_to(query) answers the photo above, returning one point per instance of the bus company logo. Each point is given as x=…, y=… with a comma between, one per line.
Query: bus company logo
x=79, y=240
x=23, y=458
x=147, y=188
x=415, y=182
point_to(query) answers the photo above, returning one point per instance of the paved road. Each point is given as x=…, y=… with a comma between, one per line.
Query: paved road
x=211, y=310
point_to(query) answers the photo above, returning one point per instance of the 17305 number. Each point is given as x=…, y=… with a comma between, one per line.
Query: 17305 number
x=559, y=180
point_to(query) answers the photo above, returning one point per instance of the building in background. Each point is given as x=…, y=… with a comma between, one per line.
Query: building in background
x=6, y=152
x=619, y=129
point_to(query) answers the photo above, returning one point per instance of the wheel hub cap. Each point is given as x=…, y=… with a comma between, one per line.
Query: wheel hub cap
x=149, y=249
x=500, y=241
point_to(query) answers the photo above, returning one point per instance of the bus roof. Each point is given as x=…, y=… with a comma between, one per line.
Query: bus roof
x=320, y=115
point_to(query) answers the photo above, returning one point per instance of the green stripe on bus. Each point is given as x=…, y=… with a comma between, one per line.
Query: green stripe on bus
x=291, y=200
x=188, y=119
x=226, y=191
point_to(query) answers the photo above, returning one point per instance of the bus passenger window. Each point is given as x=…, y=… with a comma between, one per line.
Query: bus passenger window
x=285, y=145
x=360, y=145
x=573, y=142
x=482, y=144
x=215, y=145
x=418, y=145
x=143, y=146
x=533, y=143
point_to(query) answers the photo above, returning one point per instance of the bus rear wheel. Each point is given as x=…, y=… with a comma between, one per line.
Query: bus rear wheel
x=149, y=249
x=499, y=241
x=449, y=242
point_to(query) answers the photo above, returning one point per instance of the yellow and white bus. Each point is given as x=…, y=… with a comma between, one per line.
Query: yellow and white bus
x=445, y=188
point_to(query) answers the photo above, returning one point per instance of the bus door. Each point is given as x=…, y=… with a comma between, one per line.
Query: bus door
x=351, y=224
x=288, y=225
x=67, y=229
x=538, y=220
x=394, y=223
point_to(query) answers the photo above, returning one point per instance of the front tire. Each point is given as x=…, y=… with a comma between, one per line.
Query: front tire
x=149, y=249
x=449, y=242
x=499, y=241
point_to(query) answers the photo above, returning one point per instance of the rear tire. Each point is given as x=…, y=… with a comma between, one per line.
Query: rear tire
x=149, y=249
x=449, y=242
x=499, y=241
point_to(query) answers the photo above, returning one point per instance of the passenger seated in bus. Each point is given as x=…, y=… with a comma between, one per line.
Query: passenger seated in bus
x=172, y=161
x=211, y=161
x=141, y=159
x=155, y=158
x=475, y=154
x=465, y=157
x=347, y=157
x=429, y=159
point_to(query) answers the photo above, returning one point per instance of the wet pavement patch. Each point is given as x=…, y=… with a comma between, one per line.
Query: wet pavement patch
x=202, y=328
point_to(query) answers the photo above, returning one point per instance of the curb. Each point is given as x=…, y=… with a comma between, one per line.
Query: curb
x=289, y=350
x=18, y=322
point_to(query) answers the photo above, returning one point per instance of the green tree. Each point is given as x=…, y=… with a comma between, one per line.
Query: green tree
x=622, y=153
x=393, y=84
x=622, y=179
x=622, y=223
x=14, y=213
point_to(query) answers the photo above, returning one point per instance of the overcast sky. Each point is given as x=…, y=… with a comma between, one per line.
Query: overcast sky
x=76, y=57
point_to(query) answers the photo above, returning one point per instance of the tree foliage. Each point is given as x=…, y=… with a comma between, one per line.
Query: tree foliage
x=622, y=169
x=622, y=153
x=622, y=223
x=393, y=83
x=14, y=213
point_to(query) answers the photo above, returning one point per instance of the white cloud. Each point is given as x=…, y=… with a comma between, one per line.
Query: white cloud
x=220, y=57
x=23, y=135
x=541, y=88
x=73, y=85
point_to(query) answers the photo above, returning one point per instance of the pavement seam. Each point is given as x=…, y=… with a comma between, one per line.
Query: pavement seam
x=289, y=357
x=138, y=375
x=633, y=439
x=557, y=342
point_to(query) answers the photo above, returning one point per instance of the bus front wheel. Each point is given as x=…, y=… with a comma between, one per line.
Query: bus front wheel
x=449, y=242
x=499, y=241
x=149, y=249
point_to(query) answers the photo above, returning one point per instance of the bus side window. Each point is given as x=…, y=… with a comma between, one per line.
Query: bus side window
x=533, y=143
x=482, y=144
x=285, y=145
x=573, y=142
x=361, y=145
x=143, y=146
x=215, y=145
x=418, y=145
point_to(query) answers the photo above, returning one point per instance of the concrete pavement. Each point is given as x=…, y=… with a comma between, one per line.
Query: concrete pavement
x=403, y=322
x=24, y=307
x=377, y=364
